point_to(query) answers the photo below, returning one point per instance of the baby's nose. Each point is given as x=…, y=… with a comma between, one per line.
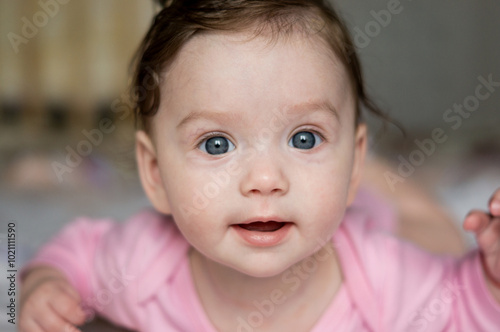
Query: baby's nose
x=264, y=176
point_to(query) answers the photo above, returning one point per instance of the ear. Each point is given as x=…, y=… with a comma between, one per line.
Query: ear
x=149, y=172
x=359, y=159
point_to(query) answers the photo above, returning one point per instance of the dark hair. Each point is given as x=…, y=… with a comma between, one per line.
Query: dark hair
x=180, y=20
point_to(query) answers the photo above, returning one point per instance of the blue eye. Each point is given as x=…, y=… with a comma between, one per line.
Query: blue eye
x=216, y=145
x=304, y=140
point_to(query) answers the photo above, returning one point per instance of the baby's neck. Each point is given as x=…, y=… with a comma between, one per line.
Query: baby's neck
x=232, y=299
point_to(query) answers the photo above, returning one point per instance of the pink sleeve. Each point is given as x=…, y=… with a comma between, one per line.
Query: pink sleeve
x=123, y=257
x=423, y=292
x=103, y=261
x=72, y=252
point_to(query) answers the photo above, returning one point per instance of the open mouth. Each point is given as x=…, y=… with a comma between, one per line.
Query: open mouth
x=264, y=232
x=260, y=226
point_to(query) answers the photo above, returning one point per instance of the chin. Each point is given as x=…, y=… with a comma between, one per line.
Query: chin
x=262, y=273
x=263, y=269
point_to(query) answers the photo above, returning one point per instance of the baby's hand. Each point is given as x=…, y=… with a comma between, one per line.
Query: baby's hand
x=486, y=226
x=49, y=303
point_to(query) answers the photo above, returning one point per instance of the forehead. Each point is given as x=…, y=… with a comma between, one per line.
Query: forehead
x=235, y=71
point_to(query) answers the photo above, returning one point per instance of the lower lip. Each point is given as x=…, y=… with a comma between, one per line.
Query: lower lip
x=263, y=239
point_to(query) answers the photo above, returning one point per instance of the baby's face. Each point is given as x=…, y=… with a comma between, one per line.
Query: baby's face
x=248, y=132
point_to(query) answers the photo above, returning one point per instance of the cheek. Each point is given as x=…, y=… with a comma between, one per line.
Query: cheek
x=194, y=211
x=325, y=189
x=330, y=178
x=196, y=199
x=329, y=193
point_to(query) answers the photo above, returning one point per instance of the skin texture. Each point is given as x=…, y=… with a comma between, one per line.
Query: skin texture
x=258, y=96
x=240, y=88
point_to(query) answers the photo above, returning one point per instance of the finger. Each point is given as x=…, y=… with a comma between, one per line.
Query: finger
x=52, y=322
x=489, y=239
x=29, y=325
x=494, y=204
x=71, y=291
x=476, y=221
x=68, y=308
x=71, y=328
x=494, y=267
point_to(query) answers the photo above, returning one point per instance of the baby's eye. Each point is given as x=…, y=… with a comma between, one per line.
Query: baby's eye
x=216, y=145
x=304, y=140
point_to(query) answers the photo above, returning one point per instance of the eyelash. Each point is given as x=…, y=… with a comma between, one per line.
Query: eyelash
x=298, y=130
x=219, y=134
x=210, y=135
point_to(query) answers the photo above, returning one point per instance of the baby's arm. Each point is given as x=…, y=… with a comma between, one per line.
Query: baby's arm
x=486, y=226
x=57, y=280
x=420, y=217
x=97, y=258
x=48, y=302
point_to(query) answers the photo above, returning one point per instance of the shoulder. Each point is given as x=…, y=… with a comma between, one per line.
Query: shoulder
x=386, y=274
x=145, y=227
x=145, y=242
x=383, y=255
x=362, y=247
x=139, y=239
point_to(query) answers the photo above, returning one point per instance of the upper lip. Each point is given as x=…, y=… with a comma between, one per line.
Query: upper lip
x=263, y=219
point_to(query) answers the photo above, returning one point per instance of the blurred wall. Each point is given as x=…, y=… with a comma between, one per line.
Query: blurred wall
x=62, y=62
x=427, y=56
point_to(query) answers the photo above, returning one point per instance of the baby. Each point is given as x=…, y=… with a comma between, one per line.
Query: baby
x=251, y=151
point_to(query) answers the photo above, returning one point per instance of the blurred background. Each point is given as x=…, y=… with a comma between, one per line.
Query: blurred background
x=65, y=68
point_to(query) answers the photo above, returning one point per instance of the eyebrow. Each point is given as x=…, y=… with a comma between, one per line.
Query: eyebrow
x=323, y=105
x=225, y=116
x=209, y=115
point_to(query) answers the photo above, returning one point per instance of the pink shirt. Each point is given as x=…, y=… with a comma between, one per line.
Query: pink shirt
x=137, y=275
